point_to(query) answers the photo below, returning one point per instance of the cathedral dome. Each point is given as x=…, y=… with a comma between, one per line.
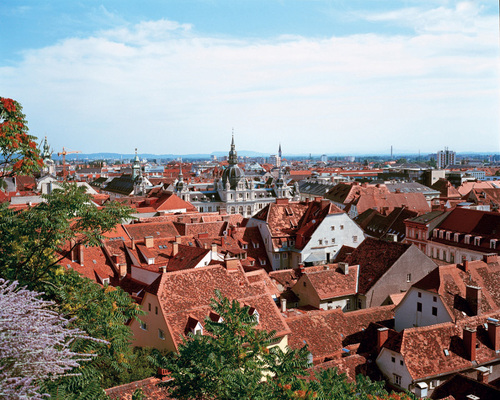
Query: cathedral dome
x=232, y=174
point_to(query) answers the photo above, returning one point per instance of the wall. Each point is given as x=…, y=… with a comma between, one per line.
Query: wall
x=413, y=262
x=407, y=316
x=388, y=368
x=154, y=322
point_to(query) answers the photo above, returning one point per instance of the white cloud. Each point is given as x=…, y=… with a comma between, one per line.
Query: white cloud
x=164, y=88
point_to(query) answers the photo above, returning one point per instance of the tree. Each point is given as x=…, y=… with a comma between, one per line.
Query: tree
x=19, y=151
x=32, y=239
x=36, y=343
x=235, y=361
x=231, y=360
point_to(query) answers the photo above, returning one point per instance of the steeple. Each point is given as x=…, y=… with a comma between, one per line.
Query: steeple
x=233, y=155
x=46, y=150
x=179, y=186
x=279, y=152
x=136, y=166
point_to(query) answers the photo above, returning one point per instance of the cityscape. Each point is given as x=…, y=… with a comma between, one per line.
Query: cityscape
x=275, y=199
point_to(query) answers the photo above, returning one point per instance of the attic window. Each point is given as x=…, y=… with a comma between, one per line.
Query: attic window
x=456, y=237
x=244, y=246
x=493, y=243
x=255, y=245
x=477, y=241
x=253, y=312
x=105, y=281
x=467, y=239
x=446, y=352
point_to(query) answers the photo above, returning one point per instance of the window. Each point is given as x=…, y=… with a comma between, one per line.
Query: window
x=149, y=306
x=434, y=311
x=332, y=228
x=360, y=304
x=244, y=246
x=320, y=242
x=144, y=327
x=434, y=299
x=256, y=245
x=401, y=362
x=355, y=239
x=393, y=359
x=419, y=307
x=348, y=304
x=408, y=277
x=419, y=294
x=333, y=240
x=161, y=335
x=341, y=227
x=493, y=244
x=262, y=261
x=105, y=281
x=156, y=310
x=276, y=256
x=285, y=255
x=397, y=379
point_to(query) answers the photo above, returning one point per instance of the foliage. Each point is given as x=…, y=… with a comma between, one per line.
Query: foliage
x=233, y=360
x=102, y=313
x=19, y=151
x=30, y=239
x=36, y=343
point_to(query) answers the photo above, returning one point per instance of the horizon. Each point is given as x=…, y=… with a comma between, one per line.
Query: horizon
x=336, y=77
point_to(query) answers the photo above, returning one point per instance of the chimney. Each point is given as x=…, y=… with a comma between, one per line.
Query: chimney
x=122, y=270
x=494, y=333
x=74, y=249
x=149, y=241
x=162, y=269
x=282, y=201
x=178, y=239
x=283, y=304
x=382, y=336
x=490, y=258
x=213, y=249
x=133, y=244
x=115, y=258
x=466, y=265
x=473, y=298
x=344, y=267
x=483, y=375
x=80, y=253
x=175, y=248
x=222, y=240
x=470, y=343
x=318, y=199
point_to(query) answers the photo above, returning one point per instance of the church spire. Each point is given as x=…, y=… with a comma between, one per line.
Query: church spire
x=279, y=152
x=136, y=166
x=233, y=155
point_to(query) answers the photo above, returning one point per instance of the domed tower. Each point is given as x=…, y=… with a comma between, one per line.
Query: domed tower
x=136, y=167
x=180, y=185
x=232, y=174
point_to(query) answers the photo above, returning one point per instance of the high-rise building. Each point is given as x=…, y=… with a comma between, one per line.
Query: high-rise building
x=445, y=158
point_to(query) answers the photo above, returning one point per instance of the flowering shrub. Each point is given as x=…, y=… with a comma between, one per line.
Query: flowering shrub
x=35, y=343
x=19, y=152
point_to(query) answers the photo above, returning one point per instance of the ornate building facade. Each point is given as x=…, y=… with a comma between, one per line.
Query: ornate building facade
x=235, y=192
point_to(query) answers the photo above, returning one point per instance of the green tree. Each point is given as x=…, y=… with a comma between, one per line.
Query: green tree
x=32, y=239
x=231, y=360
x=234, y=361
x=19, y=152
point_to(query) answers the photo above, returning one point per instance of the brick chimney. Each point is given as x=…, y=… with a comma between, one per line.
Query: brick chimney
x=282, y=201
x=178, y=239
x=494, y=333
x=382, y=336
x=473, y=298
x=231, y=264
x=115, y=258
x=122, y=270
x=470, y=343
x=133, y=244
x=213, y=249
x=162, y=269
x=175, y=248
x=149, y=241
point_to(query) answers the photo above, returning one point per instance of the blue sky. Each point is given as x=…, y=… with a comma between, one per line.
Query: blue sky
x=335, y=77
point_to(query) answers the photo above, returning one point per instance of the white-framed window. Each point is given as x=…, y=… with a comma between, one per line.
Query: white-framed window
x=408, y=277
x=397, y=379
x=244, y=246
x=262, y=261
x=144, y=326
x=355, y=239
x=477, y=241
x=161, y=334
x=456, y=237
x=493, y=243
x=467, y=239
x=333, y=240
x=348, y=304
x=105, y=281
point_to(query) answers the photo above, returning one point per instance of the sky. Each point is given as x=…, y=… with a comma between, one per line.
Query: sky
x=318, y=76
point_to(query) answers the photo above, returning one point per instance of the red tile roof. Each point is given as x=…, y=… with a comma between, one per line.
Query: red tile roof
x=374, y=257
x=424, y=348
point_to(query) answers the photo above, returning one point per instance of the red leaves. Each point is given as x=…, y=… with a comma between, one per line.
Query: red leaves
x=8, y=105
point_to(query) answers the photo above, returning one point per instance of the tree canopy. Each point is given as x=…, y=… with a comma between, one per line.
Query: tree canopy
x=19, y=152
x=234, y=360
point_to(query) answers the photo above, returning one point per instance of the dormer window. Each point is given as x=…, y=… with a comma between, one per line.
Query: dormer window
x=244, y=246
x=255, y=245
x=448, y=235
x=456, y=237
x=477, y=241
x=493, y=243
x=441, y=234
x=467, y=239
x=193, y=326
x=436, y=233
x=253, y=312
